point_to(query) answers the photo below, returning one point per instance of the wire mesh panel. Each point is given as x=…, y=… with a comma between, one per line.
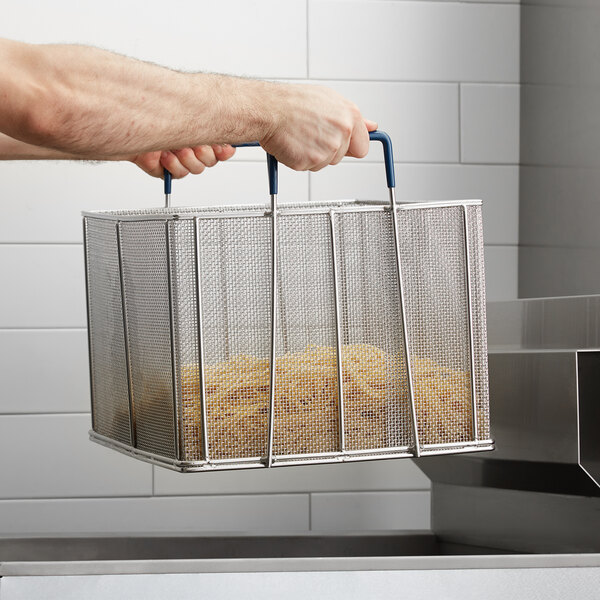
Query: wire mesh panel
x=186, y=306
x=234, y=269
x=476, y=259
x=182, y=376
x=146, y=282
x=110, y=395
x=306, y=393
x=377, y=413
x=433, y=264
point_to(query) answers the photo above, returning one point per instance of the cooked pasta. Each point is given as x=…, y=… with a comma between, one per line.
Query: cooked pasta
x=306, y=415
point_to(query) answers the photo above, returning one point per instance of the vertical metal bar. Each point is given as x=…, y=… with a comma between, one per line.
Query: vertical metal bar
x=89, y=324
x=178, y=440
x=222, y=250
x=338, y=336
x=405, y=340
x=200, y=342
x=272, y=364
x=470, y=316
x=132, y=420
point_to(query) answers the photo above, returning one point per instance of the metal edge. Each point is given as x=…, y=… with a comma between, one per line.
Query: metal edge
x=278, y=461
x=338, y=337
x=237, y=210
x=132, y=419
x=89, y=323
x=404, y=319
x=177, y=433
x=299, y=564
x=200, y=342
x=578, y=412
x=467, y=256
x=272, y=363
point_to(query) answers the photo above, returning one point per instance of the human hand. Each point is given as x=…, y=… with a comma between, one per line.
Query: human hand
x=315, y=127
x=183, y=162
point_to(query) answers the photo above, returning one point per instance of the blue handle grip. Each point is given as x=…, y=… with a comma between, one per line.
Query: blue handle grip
x=272, y=164
x=388, y=155
x=168, y=179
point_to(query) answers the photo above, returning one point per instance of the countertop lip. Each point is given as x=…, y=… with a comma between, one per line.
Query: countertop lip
x=263, y=565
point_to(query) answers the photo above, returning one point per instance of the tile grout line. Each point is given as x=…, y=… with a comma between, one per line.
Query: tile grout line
x=209, y=495
x=307, y=41
x=459, y=126
x=45, y=414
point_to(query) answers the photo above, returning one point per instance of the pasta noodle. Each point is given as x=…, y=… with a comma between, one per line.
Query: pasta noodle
x=376, y=406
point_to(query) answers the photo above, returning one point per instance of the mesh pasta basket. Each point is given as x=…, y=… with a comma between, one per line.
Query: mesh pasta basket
x=240, y=337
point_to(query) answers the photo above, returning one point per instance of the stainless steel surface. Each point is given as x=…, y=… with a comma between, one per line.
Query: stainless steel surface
x=539, y=490
x=405, y=337
x=132, y=425
x=227, y=554
x=565, y=323
x=559, y=176
x=273, y=353
x=200, y=335
x=470, y=315
x=198, y=293
x=516, y=520
x=338, y=336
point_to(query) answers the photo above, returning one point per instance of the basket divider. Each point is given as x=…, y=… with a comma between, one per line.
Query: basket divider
x=272, y=363
x=338, y=336
x=470, y=317
x=405, y=340
x=174, y=378
x=132, y=422
x=89, y=324
x=200, y=341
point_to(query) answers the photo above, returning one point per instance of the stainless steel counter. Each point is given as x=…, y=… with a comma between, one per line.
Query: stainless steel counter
x=364, y=552
x=296, y=567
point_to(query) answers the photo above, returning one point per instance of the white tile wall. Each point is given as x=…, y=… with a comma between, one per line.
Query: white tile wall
x=413, y=41
x=500, y=272
x=47, y=456
x=384, y=510
x=379, y=475
x=421, y=118
x=196, y=36
x=489, y=123
x=497, y=186
x=44, y=371
x=269, y=513
x=43, y=286
x=407, y=64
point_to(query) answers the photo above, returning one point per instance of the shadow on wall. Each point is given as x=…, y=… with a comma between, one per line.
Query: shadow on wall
x=559, y=237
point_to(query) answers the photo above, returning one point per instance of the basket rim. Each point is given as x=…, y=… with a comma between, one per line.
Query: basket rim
x=174, y=213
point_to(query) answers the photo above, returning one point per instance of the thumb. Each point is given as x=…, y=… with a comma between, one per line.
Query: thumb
x=371, y=125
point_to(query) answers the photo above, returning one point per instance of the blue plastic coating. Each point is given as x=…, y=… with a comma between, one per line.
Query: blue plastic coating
x=272, y=164
x=168, y=179
x=388, y=155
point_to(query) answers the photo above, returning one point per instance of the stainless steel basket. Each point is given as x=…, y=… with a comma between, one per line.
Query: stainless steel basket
x=240, y=337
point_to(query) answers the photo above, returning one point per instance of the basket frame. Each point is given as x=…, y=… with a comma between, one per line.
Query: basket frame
x=270, y=459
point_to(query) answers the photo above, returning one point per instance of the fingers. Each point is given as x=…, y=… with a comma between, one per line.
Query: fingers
x=150, y=163
x=371, y=125
x=359, y=142
x=192, y=160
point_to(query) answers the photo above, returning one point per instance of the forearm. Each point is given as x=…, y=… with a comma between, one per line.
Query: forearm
x=12, y=149
x=91, y=103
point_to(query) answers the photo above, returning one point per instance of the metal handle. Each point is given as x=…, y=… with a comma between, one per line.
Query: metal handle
x=272, y=165
x=388, y=155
